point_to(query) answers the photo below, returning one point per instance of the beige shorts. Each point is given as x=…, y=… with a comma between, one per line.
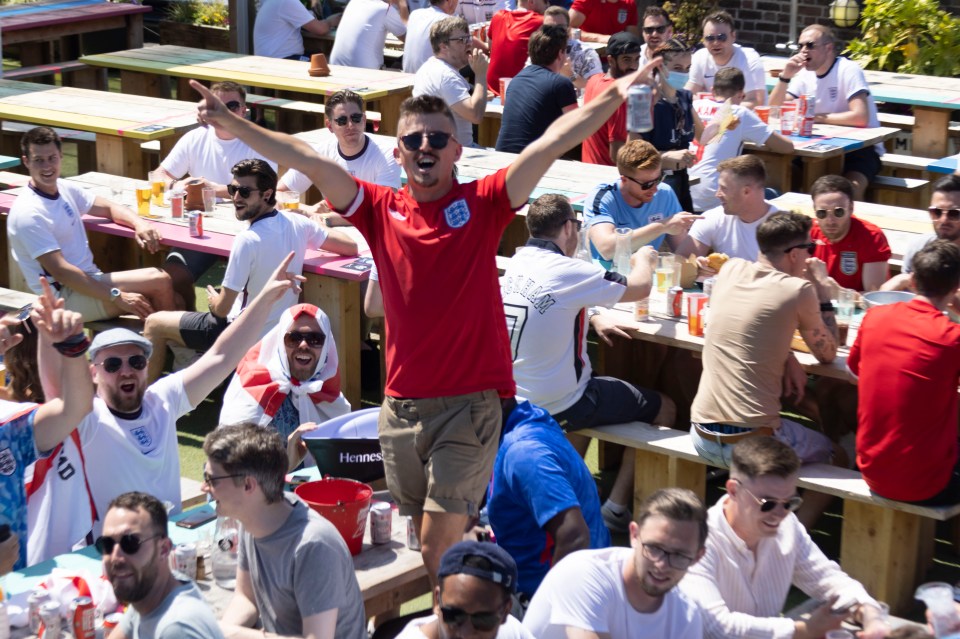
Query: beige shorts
x=438, y=453
x=91, y=308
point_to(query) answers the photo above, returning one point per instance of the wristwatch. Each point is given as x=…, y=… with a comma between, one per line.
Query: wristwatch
x=784, y=80
x=114, y=294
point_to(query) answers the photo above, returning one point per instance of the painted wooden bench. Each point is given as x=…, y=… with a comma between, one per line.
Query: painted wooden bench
x=73, y=73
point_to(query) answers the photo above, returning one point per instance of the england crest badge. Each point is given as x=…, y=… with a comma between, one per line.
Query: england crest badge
x=457, y=214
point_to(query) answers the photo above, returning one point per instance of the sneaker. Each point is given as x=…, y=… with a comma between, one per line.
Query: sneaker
x=616, y=522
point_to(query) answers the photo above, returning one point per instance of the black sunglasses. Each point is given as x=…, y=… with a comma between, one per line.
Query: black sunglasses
x=313, y=339
x=233, y=105
x=244, y=191
x=810, y=246
x=646, y=186
x=837, y=213
x=482, y=621
x=113, y=364
x=768, y=505
x=652, y=30
x=356, y=118
x=211, y=480
x=676, y=560
x=721, y=37
x=130, y=544
x=578, y=223
x=952, y=214
x=806, y=45
x=436, y=139
x=465, y=38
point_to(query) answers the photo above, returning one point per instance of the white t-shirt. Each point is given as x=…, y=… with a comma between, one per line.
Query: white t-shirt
x=276, y=30
x=136, y=454
x=728, y=234
x=510, y=629
x=257, y=252
x=374, y=164
x=416, y=46
x=544, y=292
x=363, y=32
x=436, y=77
x=843, y=81
x=585, y=590
x=703, y=68
x=200, y=153
x=476, y=11
x=39, y=224
x=751, y=129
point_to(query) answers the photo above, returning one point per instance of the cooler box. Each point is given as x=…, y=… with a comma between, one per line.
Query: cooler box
x=348, y=446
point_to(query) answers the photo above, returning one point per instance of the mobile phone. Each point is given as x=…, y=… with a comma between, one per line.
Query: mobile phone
x=296, y=480
x=197, y=519
x=4, y=532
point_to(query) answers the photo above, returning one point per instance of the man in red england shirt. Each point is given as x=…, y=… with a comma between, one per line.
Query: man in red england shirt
x=600, y=19
x=509, y=36
x=855, y=251
x=907, y=357
x=448, y=355
x=623, y=58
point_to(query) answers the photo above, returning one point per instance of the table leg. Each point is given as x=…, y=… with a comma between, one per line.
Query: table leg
x=386, y=605
x=653, y=471
x=146, y=84
x=930, y=128
x=340, y=300
x=135, y=31
x=779, y=170
x=120, y=156
x=488, y=131
x=814, y=168
x=389, y=112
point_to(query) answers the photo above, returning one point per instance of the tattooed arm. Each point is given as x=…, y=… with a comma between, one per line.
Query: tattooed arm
x=818, y=327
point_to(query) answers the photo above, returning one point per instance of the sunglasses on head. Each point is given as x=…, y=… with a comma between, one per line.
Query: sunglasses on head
x=113, y=364
x=952, y=214
x=313, y=339
x=652, y=30
x=244, y=191
x=234, y=105
x=356, y=118
x=769, y=505
x=646, y=186
x=130, y=544
x=837, y=212
x=811, y=247
x=482, y=621
x=720, y=37
x=436, y=139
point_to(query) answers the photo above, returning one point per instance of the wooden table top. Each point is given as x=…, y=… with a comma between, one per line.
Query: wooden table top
x=259, y=71
x=37, y=15
x=118, y=114
x=831, y=140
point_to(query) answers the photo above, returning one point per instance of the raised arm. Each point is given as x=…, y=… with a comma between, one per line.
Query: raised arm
x=285, y=150
x=565, y=133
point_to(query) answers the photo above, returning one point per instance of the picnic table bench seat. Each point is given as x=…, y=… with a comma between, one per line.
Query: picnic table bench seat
x=887, y=545
x=72, y=72
x=907, y=122
x=11, y=300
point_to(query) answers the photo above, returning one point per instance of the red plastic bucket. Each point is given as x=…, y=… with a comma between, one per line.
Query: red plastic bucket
x=344, y=503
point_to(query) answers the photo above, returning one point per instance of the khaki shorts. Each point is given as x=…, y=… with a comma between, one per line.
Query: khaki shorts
x=438, y=453
x=91, y=308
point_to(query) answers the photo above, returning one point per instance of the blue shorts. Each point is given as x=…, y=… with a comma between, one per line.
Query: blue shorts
x=607, y=400
x=811, y=446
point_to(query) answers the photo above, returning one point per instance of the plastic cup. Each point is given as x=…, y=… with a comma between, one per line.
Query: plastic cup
x=116, y=190
x=209, y=199
x=144, y=196
x=763, y=112
x=290, y=200
x=664, y=278
x=504, y=83
x=788, y=119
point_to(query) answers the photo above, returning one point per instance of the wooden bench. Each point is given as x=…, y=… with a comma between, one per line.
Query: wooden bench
x=907, y=183
x=85, y=142
x=129, y=322
x=190, y=493
x=907, y=122
x=72, y=73
x=886, y=545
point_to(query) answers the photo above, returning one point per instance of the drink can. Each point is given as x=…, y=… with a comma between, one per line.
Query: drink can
x=696, y=310
x=413, y=542
x=641, y=310
x=176, y=204
x=575, y=34
x=36, y=599
x=50, y=622
x=805, y=126
x=185, y=560
x=639, y=115
x=708, y=285
x=82, y=618
x=381, y=523
x=196, y=223
x=111, y=621
x=675, y=301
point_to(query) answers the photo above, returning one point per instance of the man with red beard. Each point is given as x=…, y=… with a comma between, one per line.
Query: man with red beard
x=136, y=560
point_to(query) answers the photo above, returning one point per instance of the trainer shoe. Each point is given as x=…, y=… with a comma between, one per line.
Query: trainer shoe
x=616, y=522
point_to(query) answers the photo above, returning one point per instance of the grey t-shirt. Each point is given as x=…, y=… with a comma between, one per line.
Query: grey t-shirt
x=183, y=613
x=303, y=569
x=913, y=249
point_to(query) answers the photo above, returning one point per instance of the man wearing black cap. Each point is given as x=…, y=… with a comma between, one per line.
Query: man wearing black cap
x=623, y=57
x=476, y=583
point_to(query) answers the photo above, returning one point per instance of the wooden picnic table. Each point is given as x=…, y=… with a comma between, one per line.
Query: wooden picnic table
x=141, y=70
x=933, y=98
x=121, y=122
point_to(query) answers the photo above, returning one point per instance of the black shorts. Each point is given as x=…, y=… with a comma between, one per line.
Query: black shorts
x=607, y=400
x=196, y=262
x=200, y=330
x=863, y=161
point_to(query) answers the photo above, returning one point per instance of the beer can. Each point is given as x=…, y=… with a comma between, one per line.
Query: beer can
x=176, y=204
x=708, y=285
x=413, y=542
x=50, y=622
x=641, y=310
x=639, y=115
x=111, y=621
x=185, y=560
x=196, y=223
x=36, y=599
x=82, y=618
x=675, y=301
x=806, y=126
x=381, y=523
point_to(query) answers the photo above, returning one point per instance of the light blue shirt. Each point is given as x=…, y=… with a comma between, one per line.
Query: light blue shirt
x=17, y=451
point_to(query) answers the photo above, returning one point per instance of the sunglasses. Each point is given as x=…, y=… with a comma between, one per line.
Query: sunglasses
x=722, y=37
x=25, y=326
x=482, y=621
x=810, y=246
x=837, y=213
x=806, y=45
x=676, y=560
x=578, y=223
x=130, y=544
x=436, y=139
x=769, y=505
x=313, y=339
x=464, y=39
x=234, y=105
x=652, y=30
x=113, y=364
x=244, y=191
x=211, y=480
x=952, y=214
x=356, y=118
x=646, y=186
